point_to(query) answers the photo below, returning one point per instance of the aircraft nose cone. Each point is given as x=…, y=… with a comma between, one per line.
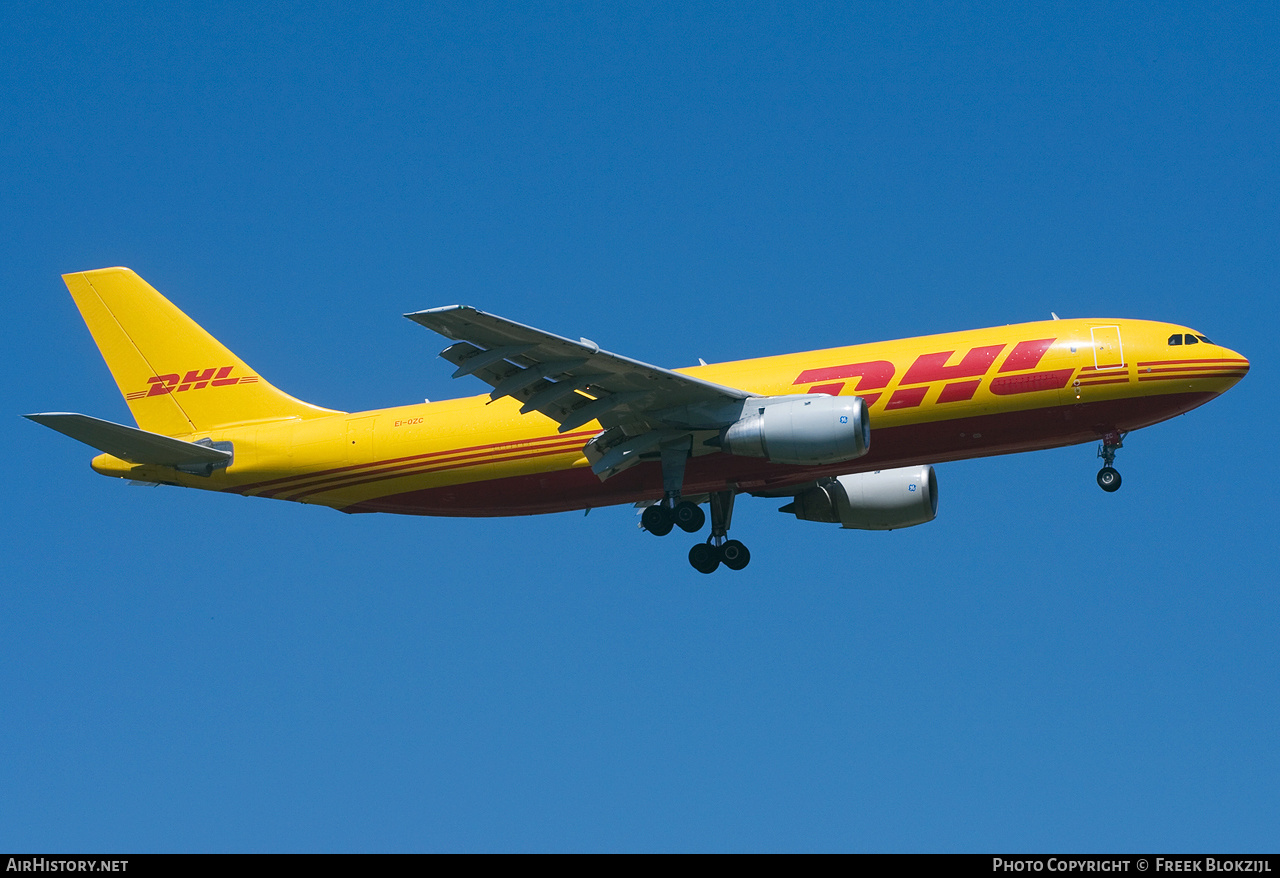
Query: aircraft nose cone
x=1239, y=364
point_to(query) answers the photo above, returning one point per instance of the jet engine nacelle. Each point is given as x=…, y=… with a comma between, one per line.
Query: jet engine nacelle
x=807, y=431
x=882, y=500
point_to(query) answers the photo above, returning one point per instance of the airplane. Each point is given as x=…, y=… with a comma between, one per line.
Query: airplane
x=848, y=435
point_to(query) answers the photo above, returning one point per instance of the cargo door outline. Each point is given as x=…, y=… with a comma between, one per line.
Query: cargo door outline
x=1108, y=351
x=360, y=440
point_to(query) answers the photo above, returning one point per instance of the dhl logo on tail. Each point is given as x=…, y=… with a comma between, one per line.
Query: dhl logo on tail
x=193, y=380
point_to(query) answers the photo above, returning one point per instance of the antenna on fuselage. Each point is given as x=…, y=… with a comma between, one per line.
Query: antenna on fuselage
x=1054, y=316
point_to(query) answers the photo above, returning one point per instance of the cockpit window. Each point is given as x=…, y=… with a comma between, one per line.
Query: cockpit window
x=1188, y=338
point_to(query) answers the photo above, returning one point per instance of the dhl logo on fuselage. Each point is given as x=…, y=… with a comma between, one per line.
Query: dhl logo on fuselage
x=214, y=376
x=960, y=381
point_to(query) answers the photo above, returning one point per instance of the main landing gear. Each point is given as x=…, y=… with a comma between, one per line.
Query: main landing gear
x=660, y=518
x=1108, y=477
x=706, y=557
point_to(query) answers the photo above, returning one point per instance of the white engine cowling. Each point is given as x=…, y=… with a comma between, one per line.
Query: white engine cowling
x=881, y=500
x=805, y=431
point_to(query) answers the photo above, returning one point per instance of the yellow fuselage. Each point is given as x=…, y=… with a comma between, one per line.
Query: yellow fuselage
x=930, y=399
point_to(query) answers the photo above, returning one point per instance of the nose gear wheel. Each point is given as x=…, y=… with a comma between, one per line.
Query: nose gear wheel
x=1108, y=476
x=1109, y=479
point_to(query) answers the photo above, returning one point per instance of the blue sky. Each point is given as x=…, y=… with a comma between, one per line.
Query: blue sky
x=1044, y=667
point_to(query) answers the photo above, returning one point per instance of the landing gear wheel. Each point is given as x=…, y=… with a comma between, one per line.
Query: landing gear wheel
x=734, y=555
x=689, y=516
x=657, y=520
x=704, y=557
x=1109, y=479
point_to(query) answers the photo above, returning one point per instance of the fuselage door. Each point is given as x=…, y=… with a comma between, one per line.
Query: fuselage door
x=360, y=440
x=1107, y=351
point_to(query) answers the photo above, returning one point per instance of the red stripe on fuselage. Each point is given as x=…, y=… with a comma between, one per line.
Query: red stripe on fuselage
x=406, y=471
x=1193, y=376
x=378, y=473
x=933, y=442
x=1239, y=360
x=285, y=482
x=1189, y=369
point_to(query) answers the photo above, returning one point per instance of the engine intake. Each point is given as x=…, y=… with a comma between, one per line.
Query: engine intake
x=805, y=431
x=881, y=500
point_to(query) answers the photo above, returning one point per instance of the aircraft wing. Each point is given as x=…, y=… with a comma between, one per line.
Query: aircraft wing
x=641, y=407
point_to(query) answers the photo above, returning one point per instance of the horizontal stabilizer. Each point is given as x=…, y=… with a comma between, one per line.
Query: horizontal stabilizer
x=132, y=444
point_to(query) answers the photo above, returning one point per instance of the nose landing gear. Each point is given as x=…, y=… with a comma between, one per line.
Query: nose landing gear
x=1109, y=479
x=1108, y=476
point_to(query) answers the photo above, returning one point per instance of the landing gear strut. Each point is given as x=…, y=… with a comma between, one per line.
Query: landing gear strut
x=706, y=557
x=660, y=518
x=1108, y=477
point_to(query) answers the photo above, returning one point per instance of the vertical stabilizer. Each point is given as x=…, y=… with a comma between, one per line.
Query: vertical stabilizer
x=176, y=378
